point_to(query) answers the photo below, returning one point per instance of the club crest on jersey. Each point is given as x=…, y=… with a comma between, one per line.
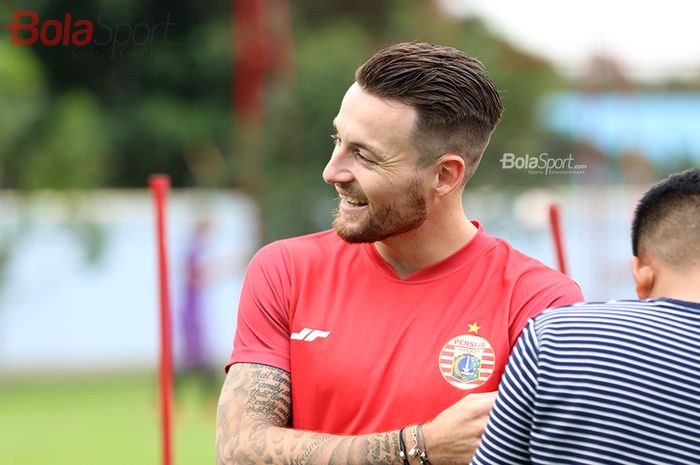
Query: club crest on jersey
x=466, y=367
x=467, y=361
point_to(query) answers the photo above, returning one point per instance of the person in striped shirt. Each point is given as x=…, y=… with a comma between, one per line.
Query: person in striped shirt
x=615, y=382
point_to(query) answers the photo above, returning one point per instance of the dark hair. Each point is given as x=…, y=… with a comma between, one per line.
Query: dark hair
x=666, y=222
x=458, y=105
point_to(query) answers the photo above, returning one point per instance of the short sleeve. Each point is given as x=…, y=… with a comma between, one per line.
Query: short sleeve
x=262, y=332
x=538, y=292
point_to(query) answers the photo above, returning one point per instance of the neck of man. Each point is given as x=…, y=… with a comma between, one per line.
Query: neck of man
x=443, y=234
x=678, y=285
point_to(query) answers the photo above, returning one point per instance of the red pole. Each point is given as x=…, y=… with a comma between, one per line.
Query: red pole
x=250, y=59
x=159, y=184
x=555, y=223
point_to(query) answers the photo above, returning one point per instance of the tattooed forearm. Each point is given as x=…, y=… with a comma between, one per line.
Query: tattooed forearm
x=253, y=415
x=310, y=449
x=384, y=448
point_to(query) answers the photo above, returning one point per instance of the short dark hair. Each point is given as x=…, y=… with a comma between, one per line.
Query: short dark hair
x=458, y=105
x=666, y=222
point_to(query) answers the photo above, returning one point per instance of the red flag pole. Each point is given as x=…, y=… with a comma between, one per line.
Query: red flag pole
x=555, y=223
x=160, y=184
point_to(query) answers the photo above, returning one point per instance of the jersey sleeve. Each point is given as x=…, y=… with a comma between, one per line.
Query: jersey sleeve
x=506, y=439
x=537, y=292
x=262, y=331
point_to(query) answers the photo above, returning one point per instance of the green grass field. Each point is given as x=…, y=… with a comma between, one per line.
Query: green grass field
x=109, y=420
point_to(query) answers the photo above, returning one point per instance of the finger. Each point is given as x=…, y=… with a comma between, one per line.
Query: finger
x=480, y=404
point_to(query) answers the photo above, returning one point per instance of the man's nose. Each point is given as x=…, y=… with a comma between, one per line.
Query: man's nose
x=337, y=170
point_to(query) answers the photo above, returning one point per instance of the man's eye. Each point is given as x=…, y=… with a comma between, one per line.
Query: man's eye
x=336, y=139
x=364, y=159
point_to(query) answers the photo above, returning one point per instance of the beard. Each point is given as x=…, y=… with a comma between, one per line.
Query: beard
x=380, y=222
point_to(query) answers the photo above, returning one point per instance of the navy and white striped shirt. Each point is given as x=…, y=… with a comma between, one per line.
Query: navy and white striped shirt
x=603, y=383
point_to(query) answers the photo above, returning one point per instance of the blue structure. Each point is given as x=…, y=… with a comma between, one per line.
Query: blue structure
x=662, y=126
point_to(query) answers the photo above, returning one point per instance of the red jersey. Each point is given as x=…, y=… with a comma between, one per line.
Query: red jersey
x=368, y=351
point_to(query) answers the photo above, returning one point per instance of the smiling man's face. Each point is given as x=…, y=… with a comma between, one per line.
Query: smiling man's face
x=373, y=168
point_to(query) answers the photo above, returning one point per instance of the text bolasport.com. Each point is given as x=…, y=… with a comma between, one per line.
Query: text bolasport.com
x=541, y=164
x=28, y=28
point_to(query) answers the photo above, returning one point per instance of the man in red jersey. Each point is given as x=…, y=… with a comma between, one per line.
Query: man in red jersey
x=349, y=339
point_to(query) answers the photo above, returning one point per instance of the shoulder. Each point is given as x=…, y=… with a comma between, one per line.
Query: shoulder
x=321, y=246
x=529, y=273
x=598, y=316
x=596, y=310
x=520, y=263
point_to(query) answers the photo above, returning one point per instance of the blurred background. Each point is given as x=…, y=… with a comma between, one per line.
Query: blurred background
x=234, y=101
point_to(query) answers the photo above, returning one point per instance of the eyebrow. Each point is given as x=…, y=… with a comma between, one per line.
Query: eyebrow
x=374, y=151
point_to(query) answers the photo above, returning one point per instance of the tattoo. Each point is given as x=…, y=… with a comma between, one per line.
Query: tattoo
x=383, y=449
x=270, y=395
x=309, y=450
x=253, y=420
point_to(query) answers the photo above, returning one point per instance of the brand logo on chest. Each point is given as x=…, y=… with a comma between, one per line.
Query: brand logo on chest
x=309, y=335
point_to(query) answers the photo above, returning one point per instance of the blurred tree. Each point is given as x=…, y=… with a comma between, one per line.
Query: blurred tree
x=160, y=73
x=22, y=97
x=70, y=148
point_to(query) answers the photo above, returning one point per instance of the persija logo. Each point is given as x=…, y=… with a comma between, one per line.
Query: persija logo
x=27, y=28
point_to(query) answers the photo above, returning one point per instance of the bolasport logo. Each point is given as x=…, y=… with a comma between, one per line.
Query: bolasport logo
x=28, y=29
x=543, y=163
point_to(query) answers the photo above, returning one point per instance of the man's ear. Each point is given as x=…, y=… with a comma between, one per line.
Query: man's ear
x=451, y=171
x=644, y=277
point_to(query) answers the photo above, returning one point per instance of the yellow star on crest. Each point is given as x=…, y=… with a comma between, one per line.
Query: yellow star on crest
x=474, y=328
